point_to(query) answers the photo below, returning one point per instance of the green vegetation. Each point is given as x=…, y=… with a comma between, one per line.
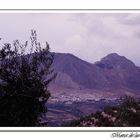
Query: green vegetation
x=126, y=114
x=24, y=79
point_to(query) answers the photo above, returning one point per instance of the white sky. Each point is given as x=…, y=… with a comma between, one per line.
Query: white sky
x=89, y=36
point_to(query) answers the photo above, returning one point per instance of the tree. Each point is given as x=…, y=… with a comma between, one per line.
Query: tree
x=129, y=111
x=24, y=80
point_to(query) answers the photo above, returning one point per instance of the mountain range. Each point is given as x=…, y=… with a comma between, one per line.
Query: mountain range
x=82, y=88
x=110, y=73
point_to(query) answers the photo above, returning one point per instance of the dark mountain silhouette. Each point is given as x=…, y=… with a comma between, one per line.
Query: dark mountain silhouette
x=112, y=71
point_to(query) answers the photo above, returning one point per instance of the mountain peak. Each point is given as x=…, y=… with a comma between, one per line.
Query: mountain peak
x=113, y=56
x=116, y=59
x=111, y=71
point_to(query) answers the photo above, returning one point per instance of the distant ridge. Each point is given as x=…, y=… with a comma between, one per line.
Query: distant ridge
x=112, y=71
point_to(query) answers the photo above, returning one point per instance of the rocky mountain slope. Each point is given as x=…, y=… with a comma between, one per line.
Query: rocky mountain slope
x=110, y=73
x=82, y=88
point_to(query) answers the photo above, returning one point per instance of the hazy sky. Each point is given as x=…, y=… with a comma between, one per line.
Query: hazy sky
x=89, y=36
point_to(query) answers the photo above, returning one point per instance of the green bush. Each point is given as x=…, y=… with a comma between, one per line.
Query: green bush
x=24, y=81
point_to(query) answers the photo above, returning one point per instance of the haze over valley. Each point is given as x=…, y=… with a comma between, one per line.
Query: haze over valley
x=81, y=88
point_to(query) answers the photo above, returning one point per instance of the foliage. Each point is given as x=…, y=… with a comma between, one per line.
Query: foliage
x=24, y=78
x=127, y=113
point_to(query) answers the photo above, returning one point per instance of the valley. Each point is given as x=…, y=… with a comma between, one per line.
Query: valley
x=82, y=88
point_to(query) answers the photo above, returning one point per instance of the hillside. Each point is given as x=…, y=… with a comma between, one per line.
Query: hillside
x=113, y=73
x=127, y=113
x=82, y=88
